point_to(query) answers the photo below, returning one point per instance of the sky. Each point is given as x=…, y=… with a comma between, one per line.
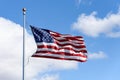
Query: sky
x=98, y=21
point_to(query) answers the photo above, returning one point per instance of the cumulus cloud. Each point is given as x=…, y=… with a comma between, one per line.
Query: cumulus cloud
x=94, y=26
x=11, y=55
x=98, y=55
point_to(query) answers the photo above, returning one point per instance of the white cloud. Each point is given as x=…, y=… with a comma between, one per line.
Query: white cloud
x=92, y=25
x=99, y=55
x=83, y=2
x=49, y=77
x=11, y=55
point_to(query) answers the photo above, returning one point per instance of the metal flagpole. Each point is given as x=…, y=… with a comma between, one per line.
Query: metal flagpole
x=23, y=60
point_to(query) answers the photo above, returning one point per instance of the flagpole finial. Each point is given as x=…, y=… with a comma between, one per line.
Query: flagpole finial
x=24, y=11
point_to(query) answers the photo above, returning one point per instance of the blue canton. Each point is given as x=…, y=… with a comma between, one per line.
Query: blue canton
x=42, y=35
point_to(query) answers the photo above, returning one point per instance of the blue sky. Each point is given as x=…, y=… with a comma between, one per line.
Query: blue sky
x=96, y=20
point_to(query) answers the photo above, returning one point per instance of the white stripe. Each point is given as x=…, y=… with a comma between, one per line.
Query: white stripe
x=47, y=44
x=54, y=33
x=62, y=56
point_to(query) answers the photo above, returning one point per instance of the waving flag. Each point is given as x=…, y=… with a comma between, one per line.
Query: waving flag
x=54, y=45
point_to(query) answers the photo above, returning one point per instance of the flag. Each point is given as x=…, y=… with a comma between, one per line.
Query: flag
x=54, y=45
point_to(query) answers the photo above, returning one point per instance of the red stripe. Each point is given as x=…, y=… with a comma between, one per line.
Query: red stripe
x=52, y=57
x=78, y=36
x=60, y=53
x=72, y=38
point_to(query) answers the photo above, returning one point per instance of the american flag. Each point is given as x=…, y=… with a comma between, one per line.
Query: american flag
x=54, y=45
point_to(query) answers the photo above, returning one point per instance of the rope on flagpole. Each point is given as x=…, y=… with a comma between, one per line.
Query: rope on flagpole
x=23, y=58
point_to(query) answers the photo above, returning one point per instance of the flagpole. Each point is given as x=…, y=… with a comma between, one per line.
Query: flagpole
x=23, y=58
